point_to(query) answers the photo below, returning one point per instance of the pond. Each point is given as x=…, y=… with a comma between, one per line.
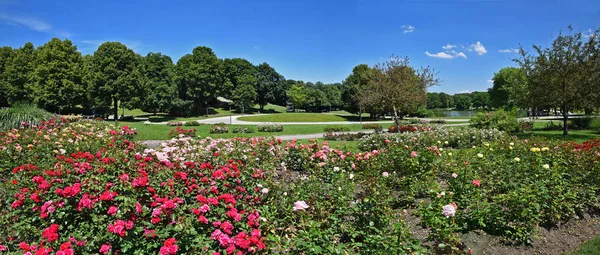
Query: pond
x=453, y=113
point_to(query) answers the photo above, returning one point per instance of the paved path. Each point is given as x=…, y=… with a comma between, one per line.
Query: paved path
x=156, y=143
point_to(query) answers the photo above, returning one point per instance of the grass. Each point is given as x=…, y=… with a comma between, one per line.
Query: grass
x=578, y=136
x=591, y=247
x=294, y=117
x=161, y=132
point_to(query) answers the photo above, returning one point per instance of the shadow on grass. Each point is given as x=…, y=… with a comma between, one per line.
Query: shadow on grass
x=574, y=135
x=354, y=118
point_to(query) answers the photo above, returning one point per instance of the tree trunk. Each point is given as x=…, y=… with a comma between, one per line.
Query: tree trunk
x=565, y=121
x=116, y=105
x=262, y=107
x=396, y=120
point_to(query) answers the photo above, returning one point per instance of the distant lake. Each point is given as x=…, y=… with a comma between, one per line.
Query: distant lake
x=452, y=113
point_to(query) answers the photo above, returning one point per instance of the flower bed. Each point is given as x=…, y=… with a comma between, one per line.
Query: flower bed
x=344, y=136
x=219, y=129
x=87, y=188
x=181, y=132
x=243, y=130
x=175, y=123
x=270, y=128
x=408, y=128
x=336, y=128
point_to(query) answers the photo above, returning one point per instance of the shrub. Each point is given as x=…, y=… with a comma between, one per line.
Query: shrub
x=525, y=125
x=438, y=121
x=22, y=115
x=344, y=136
x=175, y=123
x=581, y=123
x=336, y=128
x=243, y=130
x=553, y=126
x=500, y=119
x=407, y=128
x=423, y=112
x=219, y=128
x=181, y=132
x=192, y=123
x=270, y=128
x=374, y=126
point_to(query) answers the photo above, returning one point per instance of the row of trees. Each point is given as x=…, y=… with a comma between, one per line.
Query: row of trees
x=57, y=77
x=565, y=76
x=460, y=101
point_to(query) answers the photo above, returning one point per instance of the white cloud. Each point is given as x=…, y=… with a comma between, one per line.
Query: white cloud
x=408, y=28
x=449, y=46
x=27, y=22
x=446, y=54
x=255, y=47
x=464, y=92
x=490, y=81
x=510, y=50
x=478, y=48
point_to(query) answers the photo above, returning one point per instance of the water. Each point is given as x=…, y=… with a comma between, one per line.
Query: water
x=453, y=114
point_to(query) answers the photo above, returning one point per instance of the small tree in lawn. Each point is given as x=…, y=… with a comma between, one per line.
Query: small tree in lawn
x=297, y=95
x=395, y=85
x=565, y=75
x=245, y=92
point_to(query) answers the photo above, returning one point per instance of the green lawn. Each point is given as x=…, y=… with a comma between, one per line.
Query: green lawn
x=578, y=136
x=294, y=117
x=161, y=132
x=591, y=247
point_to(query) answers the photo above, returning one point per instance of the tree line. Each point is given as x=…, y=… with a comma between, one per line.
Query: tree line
x=57, y=77
x=459, y=101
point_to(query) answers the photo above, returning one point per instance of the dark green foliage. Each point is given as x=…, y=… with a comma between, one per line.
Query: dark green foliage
x=160, y=88
x=336, y=128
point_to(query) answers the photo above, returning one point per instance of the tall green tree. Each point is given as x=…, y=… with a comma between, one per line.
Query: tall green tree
x=19, y=73
x=462, y=102
x=509, y=89
x=481, y=99
x=297, y=95
x=434, y=101
x=398, y=87
x=160, y=88
x=56, y=80
x=235, y=71
x=117, y=77
x=199, y=77
x=269, y=86
x=5, y=55
x=352, y=85
x=446, y=100
x=245, y=94
x=566, y=74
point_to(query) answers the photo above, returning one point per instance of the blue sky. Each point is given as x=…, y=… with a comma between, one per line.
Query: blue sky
x=312, y=40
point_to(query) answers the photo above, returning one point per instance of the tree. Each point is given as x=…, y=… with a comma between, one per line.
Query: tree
x=446, y=100
x=199, y=76
x=565, y=75
x=5, y=54
x=245, y=92
x=352, y=85
x=334, y=95
x=462, y=102
x=434, y=101
x=509, y=89
x=316, y=99
x=160, y=88
x=117, y=77
x=398, y=87
x=235, y=70
x=56, y=79
x=268, y=85
x=19, y=73
x=481, y=99
x=297, y=95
